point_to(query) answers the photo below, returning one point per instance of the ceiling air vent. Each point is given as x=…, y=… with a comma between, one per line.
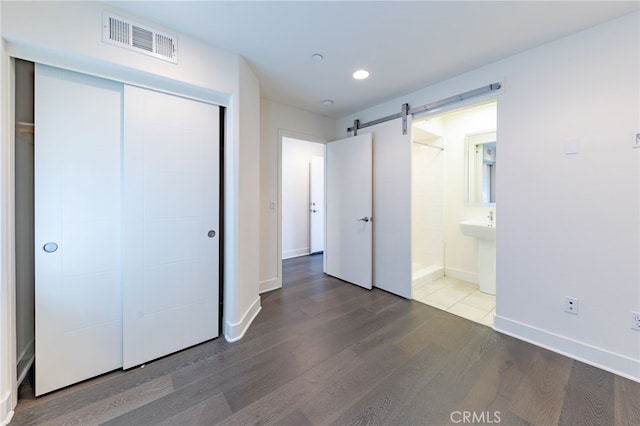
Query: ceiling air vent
x=139, y=38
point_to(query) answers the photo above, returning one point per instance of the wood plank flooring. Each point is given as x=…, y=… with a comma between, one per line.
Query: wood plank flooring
x=324, y=352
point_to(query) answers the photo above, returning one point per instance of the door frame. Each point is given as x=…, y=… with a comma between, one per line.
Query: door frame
x=297, y=164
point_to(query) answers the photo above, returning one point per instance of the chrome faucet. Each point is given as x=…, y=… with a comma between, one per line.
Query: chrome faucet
x=490, y=218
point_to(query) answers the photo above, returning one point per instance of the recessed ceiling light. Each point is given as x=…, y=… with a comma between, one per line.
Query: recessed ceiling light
x=361, y=74
x=327, y=102
x=317, y=57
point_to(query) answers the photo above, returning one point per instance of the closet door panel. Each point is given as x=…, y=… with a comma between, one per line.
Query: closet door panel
x=77, y=186
x=171, y=193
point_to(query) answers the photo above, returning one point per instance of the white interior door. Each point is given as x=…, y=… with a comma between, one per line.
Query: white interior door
x=171, y=205
x=77, y=227
x=348, y=198
x=316, y=198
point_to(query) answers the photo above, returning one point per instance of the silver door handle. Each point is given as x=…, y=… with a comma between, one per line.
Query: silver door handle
x=364, y=219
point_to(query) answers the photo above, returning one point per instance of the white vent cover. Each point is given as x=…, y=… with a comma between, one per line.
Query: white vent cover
x=139, y=38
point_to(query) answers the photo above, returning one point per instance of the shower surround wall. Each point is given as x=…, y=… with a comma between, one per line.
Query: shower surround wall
x=428, y=204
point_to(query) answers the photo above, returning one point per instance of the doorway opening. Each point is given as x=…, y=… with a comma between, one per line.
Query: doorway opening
x=302, y=197
x=447, y=266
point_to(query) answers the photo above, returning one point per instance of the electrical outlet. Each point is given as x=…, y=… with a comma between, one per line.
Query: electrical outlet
x=571, y=305
x=635, y=321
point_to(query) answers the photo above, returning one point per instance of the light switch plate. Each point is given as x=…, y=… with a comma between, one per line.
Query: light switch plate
x=572, y=146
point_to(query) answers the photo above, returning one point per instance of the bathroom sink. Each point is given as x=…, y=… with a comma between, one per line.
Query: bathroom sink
x=483, y=230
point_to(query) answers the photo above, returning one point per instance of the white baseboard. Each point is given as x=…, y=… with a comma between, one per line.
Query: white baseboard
x=426, y=275
x=470, y=277
x=235, y=332
x=6, y=411
x=288, y=254
x=598, y=357
x=268, y=285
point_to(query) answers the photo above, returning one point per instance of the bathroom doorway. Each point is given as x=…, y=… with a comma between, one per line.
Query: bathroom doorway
x=445, y=262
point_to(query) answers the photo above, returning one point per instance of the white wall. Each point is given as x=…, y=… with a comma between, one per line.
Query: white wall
x=568, y=225
x=38, y=31
x=278, y=120
x=242, y=198
x=296, y=198
x=550, y=242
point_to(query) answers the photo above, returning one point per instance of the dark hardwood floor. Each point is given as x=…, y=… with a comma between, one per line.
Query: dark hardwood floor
x=325, y=352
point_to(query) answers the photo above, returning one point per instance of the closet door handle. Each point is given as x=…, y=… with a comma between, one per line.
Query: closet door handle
x=211, y=233
x=50, y=247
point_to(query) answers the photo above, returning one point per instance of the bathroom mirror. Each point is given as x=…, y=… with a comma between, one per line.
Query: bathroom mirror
x=480, y=166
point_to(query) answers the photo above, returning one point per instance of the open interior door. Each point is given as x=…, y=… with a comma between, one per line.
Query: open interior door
x=349, y=206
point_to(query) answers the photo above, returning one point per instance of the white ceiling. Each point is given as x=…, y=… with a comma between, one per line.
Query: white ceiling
x=405, y=45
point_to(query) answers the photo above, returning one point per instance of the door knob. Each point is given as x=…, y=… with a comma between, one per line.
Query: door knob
x=314, y=210
x=364, y=219
x=211, y=233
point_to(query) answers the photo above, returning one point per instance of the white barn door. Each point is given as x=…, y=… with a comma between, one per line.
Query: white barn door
x=392, y=208
x=171, y=206
x=77, y=227
x=375, y=253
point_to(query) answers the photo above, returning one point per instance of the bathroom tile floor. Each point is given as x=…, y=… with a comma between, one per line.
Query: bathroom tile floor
x=457, y=297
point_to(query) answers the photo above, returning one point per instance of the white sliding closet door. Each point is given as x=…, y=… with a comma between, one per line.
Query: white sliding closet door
x=77, y=227
x=171, y=205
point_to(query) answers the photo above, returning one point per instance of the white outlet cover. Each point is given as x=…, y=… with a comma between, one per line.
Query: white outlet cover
x=571, y=305
x=635, y=320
